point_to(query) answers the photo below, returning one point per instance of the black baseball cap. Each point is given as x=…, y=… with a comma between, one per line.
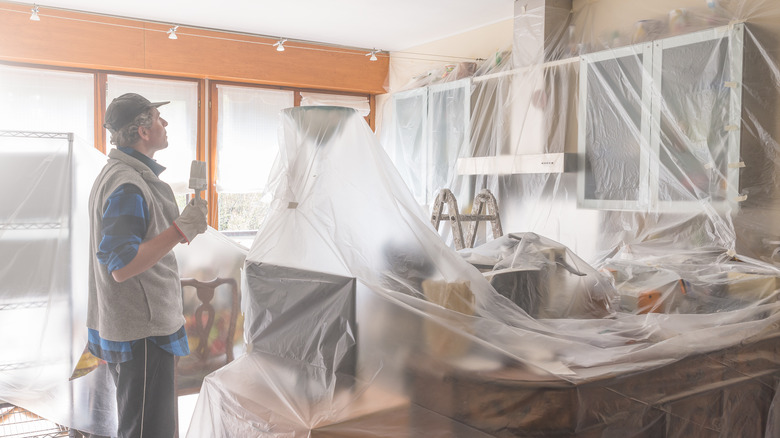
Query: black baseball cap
x=124, y=109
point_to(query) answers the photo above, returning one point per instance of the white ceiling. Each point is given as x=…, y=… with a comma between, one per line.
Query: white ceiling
x=390, y=25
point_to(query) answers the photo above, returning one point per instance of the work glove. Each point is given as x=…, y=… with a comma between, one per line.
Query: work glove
x=192, y=221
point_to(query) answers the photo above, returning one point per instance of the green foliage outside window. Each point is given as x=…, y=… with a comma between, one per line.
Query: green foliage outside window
x=241, y=211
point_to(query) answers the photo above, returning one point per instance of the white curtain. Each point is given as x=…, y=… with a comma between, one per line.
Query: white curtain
x=181, y=115
x=360, y=103
x=47, y=101
x=247, y=141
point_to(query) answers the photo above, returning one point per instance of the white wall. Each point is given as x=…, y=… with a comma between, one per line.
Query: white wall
x=482, y=42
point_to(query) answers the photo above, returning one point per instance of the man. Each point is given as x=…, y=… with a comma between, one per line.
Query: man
x=135, y=316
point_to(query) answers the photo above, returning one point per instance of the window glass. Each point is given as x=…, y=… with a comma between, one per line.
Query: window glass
x=181, y=115
x=247, y=145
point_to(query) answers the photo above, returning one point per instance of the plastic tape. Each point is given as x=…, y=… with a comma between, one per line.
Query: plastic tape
x=738, y=165
x=292, y=205
x=730, y=84
x=741, y=198
x=732, y=128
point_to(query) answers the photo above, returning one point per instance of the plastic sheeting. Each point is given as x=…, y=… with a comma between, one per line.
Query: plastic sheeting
x=44, y=236
x=668, y=330
x=360, y=103
x=635, y=295
x=666, y=110
x=552, y=349
x=46, y=180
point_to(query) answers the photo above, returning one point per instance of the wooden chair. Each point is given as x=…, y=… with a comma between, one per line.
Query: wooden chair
x=202, y=360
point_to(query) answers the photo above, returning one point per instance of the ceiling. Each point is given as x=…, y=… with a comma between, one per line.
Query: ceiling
x=389, y=25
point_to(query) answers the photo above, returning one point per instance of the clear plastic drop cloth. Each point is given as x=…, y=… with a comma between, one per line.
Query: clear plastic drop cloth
x=544, y=278
x=44, y=236
x=360, y=320
x=44, y=248
x=634, y=142
x=210, y=258
x=632, y=150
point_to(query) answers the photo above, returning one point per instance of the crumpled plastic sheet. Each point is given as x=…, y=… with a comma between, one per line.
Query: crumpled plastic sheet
x=432, y=345
x=544, y=278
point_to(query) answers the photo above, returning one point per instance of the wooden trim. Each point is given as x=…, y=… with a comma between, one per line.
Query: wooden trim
x=371, y=119
x=75, y=39
x=101, y=142
x=101, y=79
x=142, y=75
x=201, y=152
x=213, y=114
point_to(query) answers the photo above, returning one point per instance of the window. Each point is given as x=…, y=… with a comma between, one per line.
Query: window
x=242, y=128
x=247, y=145
x=48, y=101
x=659, y=123
x=182, y=117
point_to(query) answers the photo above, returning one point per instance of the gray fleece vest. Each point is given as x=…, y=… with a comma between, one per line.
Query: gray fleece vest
x=148, y=304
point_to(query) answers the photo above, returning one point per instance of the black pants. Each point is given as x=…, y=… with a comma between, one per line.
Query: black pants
x=145, y=393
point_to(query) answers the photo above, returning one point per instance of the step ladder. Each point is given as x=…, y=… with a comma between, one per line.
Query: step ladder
x=484, y=208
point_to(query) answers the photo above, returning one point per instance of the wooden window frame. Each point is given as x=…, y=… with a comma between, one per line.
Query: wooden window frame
x=207, y=119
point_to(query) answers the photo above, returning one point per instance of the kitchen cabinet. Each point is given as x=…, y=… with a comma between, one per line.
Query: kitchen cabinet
x=659, y=123
x=431, y=131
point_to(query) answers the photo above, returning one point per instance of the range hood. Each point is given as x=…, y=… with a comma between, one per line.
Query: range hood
x=539, y=26
x=518, y=164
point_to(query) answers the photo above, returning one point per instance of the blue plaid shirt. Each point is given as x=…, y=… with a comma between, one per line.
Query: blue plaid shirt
x=125, y=220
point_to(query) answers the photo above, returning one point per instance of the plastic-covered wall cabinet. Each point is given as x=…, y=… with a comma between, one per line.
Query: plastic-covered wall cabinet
x=432, y=130
x=649, y=159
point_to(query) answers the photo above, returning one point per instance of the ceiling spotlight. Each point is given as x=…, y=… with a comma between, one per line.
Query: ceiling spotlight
x=280, y=45
x=372, y=55
x=34, y=16
x=172, y=33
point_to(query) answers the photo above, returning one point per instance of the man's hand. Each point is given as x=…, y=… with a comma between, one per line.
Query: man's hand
x=192, y=220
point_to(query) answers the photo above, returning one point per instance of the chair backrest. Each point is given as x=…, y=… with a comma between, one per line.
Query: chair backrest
x=202, y=326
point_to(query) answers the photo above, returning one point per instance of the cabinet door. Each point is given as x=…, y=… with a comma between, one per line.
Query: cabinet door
x=430, y=132
x=614, y=128
x=659, y=123
x=448, y=131
x=409, y=151
x=698, y=108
